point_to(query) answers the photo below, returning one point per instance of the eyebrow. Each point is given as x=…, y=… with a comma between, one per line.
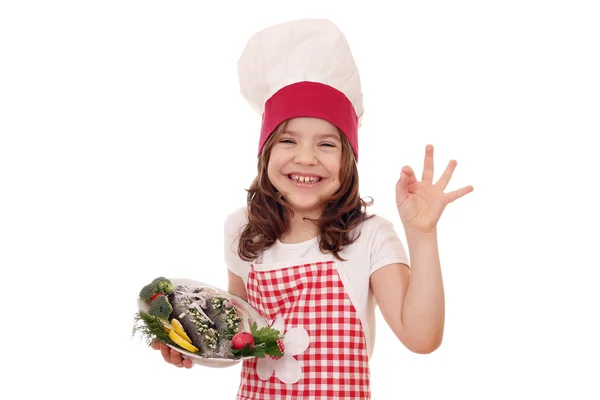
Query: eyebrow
x=320, y=136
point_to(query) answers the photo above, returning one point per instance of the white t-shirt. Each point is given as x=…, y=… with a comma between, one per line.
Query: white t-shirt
x=377, y=246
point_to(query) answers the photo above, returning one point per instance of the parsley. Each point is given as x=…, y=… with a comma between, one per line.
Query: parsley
x=264, y=335
x=273, y=350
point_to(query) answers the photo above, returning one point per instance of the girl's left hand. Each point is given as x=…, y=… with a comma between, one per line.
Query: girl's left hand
x=420, y=204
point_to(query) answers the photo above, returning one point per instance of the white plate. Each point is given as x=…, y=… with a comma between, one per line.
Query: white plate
x=197, y=359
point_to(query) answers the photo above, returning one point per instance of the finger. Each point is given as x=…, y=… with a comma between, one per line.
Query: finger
x=176, y=358
x=165, y=351
x=457, y=194
x=428, y=164
x=155, y=345
x=187, y=363
x=407, y=176
x=445, y=178
x=411, y=177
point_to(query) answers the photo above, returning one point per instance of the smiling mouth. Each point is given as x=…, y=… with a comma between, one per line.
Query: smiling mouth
x=311, y=180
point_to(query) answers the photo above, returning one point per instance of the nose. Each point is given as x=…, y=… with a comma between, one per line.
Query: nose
x=305, y=156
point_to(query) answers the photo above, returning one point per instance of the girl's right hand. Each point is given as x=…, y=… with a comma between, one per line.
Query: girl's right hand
x=172, y=356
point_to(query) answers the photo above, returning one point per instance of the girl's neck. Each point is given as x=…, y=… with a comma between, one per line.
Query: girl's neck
x=300, y=230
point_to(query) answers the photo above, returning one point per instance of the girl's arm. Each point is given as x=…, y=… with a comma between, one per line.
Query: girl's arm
x=232, y=229
x=412, y=300
x=236, y=286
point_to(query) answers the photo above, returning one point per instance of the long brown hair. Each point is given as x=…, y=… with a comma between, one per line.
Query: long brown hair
x=269, y=214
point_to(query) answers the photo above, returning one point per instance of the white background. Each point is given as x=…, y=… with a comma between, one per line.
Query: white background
x=125, y=142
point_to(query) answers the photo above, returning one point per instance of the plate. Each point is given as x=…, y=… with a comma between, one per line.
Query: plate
x=208, y=361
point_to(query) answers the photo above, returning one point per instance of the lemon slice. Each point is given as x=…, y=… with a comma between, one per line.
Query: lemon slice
x=167, y=326
x=181, y=342
x=179, y=330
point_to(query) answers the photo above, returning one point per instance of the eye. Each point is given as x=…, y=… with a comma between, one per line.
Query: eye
x=288, y=141
x=327, y=144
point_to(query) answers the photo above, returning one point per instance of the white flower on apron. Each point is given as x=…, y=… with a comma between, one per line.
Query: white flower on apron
x=287, y=368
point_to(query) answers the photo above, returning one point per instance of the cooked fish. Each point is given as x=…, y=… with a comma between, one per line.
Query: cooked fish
x=195, y=322
x=209, y=318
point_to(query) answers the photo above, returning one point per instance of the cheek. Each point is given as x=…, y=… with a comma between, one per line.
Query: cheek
x=338, y=181
x=278, y=161
x=274, y=170
x=334, y=168
x=271, y=172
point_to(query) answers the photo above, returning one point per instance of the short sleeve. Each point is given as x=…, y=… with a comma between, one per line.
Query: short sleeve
x=386, y=247
x=234, y=225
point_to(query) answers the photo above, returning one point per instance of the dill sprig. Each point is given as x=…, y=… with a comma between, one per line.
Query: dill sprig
x=151, y=328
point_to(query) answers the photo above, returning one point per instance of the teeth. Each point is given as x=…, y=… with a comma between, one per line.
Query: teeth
x=305, y=179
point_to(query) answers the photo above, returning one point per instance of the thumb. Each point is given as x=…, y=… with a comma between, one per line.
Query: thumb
x=403, y=181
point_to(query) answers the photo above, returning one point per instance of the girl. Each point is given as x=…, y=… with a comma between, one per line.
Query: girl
x=303, y=251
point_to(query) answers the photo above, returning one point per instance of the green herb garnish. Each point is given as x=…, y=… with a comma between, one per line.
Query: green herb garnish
x=151, y=328
x=265, y=343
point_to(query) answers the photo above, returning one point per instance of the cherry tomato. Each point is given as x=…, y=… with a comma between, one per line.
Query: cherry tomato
x=241, y=339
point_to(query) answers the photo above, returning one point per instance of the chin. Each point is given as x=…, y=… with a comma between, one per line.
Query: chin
x=304, y=206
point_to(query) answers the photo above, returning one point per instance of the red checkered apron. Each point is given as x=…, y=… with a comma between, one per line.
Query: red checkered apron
x=311, y=296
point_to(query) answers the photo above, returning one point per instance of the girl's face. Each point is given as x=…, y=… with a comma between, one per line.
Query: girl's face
x=304, y=165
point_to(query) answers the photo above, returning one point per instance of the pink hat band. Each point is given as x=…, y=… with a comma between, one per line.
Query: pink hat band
x=310, y=99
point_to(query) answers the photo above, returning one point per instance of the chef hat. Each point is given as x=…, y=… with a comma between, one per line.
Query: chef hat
x=302, y=68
